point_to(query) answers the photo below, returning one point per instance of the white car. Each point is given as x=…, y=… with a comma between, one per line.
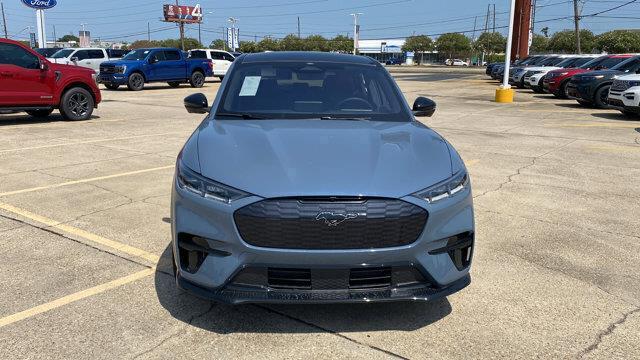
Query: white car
x=534, y=76
x=624, y=94
x=86, y=57
x=221, y=60
x=458, y=62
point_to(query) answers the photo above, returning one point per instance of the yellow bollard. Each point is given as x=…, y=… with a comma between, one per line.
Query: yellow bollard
x=504, y=95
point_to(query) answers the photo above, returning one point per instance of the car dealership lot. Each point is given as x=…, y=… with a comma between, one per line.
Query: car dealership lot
x=84, y=219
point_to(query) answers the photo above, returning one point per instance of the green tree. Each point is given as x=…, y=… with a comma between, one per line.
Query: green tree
x=248, y=47
x=491, y=43
x=291, y=42
x=453, y=44
x=418, y=44
x=217, y=44
x=565, y=41
x=315, y=43
x=619, y=41
x=268, y=44
x=539, y=44
x=341, y=43
x=69, y=37
x=140, y=44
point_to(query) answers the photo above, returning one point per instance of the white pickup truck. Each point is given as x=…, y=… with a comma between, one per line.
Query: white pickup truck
x=220, y=59
x=624, y=94
x=86, y=57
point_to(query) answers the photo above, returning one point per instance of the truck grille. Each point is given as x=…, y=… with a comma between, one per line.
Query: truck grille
x=330, y=223
x=107, y=69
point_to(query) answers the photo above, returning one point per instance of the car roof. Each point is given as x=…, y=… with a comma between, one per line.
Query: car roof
x=307, y=56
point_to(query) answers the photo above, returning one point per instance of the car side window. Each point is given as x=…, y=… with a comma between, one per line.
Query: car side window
x=198, y=54
x=81, y=55
x=228, y=57
x=159, y=55
x=217, y=56
x=15, y=55
x=96, y=54
x=172, y=55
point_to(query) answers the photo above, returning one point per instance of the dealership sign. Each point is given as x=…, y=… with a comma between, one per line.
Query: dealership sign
x=181, y=13
x=40, y=4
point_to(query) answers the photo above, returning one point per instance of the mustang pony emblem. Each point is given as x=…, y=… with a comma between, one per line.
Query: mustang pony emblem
x=333, y=219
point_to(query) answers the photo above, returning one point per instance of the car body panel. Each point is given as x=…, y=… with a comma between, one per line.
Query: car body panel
x=624, y=94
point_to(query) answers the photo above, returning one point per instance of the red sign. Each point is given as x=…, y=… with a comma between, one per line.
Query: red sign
x=182, y=13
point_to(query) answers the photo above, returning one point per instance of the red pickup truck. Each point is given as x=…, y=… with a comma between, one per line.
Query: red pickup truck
x=30, y=83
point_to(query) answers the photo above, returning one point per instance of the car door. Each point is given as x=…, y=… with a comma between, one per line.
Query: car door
x=22, y=82
x=174, y=66
x=227, y=59
x=154, y=70
x=218, y=63
x=81, y=58
x=96, y=57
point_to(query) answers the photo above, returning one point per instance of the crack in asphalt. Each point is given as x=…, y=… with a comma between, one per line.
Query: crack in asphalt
x=606, y=332
x=178, y=332
x=332, y=332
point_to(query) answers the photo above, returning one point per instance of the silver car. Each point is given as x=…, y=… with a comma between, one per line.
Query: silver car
x=311, y=181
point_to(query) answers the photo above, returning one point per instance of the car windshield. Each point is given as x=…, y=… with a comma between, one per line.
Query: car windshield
x=567, y=62
x=62, y=53
x=604, y=62
x=579, y=62
x=552, y=61
x=629, y=65
x=318, y=90
x=139, y=54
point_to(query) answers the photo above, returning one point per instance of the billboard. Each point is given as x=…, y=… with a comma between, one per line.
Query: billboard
x=40, y=4
x=182, y=13
x=232, y=38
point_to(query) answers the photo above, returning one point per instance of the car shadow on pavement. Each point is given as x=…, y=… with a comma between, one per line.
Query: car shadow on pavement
x=304, y=318
x=616, y=116
x=24, y=119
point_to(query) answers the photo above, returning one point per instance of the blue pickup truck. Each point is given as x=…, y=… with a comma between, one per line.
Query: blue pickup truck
x=142, y=66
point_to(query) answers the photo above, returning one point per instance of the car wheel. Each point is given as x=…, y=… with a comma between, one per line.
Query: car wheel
x=112, y=86
x=629, y=113
x=174, y=84
x=601, y=97
x=136, y=82
x=537, y=89
x=40, y=113
x=197, y=79
x=77, y=104
x=562, y=90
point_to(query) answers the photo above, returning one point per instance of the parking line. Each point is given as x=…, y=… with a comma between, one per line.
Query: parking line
x=81, y=181
x=92, y=238
x=22, y=315
x=89, y=141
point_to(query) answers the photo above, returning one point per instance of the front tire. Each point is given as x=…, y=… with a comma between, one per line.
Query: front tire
x=197, y=79
x=76, y=104
x=562, y=90
x=136, y=82
x=40, y=113
x=112, y=86
x=601, y=97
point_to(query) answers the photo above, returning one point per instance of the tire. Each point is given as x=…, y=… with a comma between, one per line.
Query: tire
x=174, y=267
x=40, y=113
x=197, y=79
x=174, y=84
x=562, y=90
x=135, y=82
x=601, y=96
x=112, y=86
x=538, y=89
x=629, y=113
x=76, y=104
x=585, y=103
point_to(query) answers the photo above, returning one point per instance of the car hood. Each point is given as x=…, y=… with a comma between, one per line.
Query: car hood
x=279, y=158
x=606, y=73
x=123, y=62
x=70, y=68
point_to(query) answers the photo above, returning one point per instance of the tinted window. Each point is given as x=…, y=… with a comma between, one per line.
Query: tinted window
x=96, y=54
x=172, y=55
x=630, y=65
x=295, y=90
x=62, y=54
x=139, y=54
x=608, y=63
x=47, y=52
x=216, y=56
x=159, y=55
x=228, y=57
x=81, y=54
x=116, y=53
x=581, y=61
x=197, y=54
x=15, y=55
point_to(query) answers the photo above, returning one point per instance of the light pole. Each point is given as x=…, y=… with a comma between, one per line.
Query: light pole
x=233, y=22
x=356, y=32
x=200, y=22
x=504, y=94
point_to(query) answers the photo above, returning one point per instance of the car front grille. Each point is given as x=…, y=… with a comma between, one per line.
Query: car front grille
x=620, y=85
x=107, y=69
x=330, y=223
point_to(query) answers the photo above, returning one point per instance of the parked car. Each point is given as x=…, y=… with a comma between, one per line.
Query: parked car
x=154, y=65
x=86, y=57
x=534, y=77
x=555, y=82
x=259, y=213
x=47, y=52
x=394, y=61
x=456, y=62
x=592, y=88
x=220, y=59
x=624, y=94
x=497, y=71
x=30, y=83
x=516, y=74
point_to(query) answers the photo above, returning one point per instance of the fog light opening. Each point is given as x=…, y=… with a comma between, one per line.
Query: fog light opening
x=459, y=248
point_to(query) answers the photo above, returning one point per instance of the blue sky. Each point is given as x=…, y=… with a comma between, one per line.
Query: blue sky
x=126, y=20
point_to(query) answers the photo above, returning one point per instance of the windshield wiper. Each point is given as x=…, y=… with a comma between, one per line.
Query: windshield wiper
x=354, y=118
x=243, y=116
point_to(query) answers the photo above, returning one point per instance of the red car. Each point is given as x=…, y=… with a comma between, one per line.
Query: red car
x=556, y=81
x=30, y=83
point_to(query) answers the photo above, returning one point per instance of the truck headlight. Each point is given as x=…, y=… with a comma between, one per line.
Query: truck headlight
x=445, y=189
x=191, y=181
x=121, y=69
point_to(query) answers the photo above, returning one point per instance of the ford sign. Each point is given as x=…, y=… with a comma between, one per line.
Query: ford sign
x=40, y=4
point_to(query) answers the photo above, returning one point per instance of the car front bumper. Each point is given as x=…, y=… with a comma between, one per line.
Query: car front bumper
x=114, y=79
x=229, y=256
x=582, y=92
x=628, y=100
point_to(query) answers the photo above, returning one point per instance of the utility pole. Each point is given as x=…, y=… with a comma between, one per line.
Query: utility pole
x=181, y=24
x=4, y=21
x=298, y=27
x=148, y=31
x=533, y=16
x=356, y=32
x=576, y=20
x=494, y=17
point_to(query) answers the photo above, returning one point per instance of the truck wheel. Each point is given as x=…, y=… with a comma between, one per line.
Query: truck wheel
x=601, y=97
x=197, y=79
x=136, y=82
x=76, y=104
x=40, y=113
x=174, y=84
x=112, y=86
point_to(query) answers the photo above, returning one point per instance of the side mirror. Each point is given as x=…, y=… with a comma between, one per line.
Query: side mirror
x=44, y=66
x=153, y=60
x=196, y=104
x=74, y=59
x=424, y=107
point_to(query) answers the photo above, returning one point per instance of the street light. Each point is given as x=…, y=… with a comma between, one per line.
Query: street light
x=233, y=22
x=356, y=32
x=504, y=93
x=200, y=22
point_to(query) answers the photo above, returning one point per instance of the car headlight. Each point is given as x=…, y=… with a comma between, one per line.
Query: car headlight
x=121, y=69
x=445, y=189
x=634, y=83
x=191, y=181
x=593, y=77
